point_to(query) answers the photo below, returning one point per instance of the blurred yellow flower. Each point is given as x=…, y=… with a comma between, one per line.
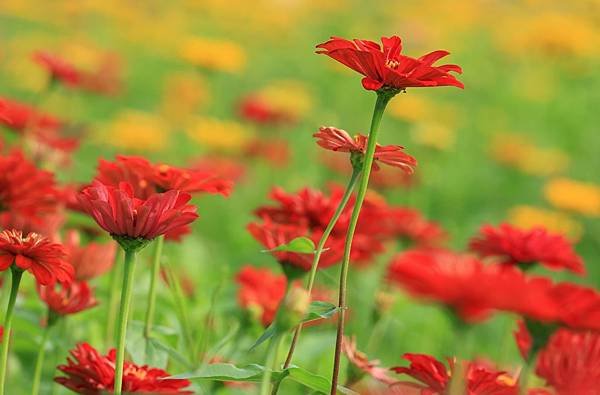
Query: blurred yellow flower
x=410, y=108
x=137, y=131
x=288, y=97
x=219, y=134
x=184, y=94
x=527, y=217
x=433, y=134
x=220, y=55
x=572, y=195
x=518, y=151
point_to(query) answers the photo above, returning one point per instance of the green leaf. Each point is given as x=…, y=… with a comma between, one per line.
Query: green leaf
x=224, y=372
x=173, y=353
x=267, y=334
x=300, y=245
x=314, y=381
x=320, y=310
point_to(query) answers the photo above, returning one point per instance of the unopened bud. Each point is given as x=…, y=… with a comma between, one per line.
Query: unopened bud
x=294, y=308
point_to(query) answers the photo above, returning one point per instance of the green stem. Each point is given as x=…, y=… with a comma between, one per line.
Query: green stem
x=113, y=297
x=39, y=362
x=122, y=317
x=317, y=257
x=272, y=351
x=526, y=373
x=14, y=289
x=182, y=314
x=153, y=280
x=383, y=97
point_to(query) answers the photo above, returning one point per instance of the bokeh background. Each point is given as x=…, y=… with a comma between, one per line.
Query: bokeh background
x=519, y=144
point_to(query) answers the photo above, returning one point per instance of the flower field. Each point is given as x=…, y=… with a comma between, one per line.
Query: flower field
x=300, y=197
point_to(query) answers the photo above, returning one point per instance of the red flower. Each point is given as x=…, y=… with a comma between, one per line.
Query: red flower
x=435, y=377
x=89, y=373
x=523, y=339
x=274, y=151
x=147, y=178
x=570, y=363
x=260, y=291
x=121, y=214
x=335, y=139
x=361, y=361
x=58, y=68
x=69, y=299
x=387, y=67
x=26, y=191
x=221, y=166
x=91, y=260
x=514, y=246
x=255, y=109
x=18, y=117
x=409, y=223
x=36, y=254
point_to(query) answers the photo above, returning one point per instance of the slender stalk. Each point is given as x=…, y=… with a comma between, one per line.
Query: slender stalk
x=272, y=351
x=39, y=362
x=153, y=280
x=317, y=257
x=182, y=313
x=383, y=97
x=113, y=297
x=122, y=317
x=14, y=289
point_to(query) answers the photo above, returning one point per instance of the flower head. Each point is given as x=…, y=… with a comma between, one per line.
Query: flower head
x=360, y=361
x=513, y=246
x=90, y=373
x=576, y=196
x=128, y=218
x=387, y=67
x=335, y=139
x=90, y=260
x=409, y=224
x=36, y=254
x=68, y=299
x=58, y=68
x=19, y=116
x=260, y=291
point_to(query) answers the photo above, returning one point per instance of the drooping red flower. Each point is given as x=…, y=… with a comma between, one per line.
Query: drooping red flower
x=121, y=214
x=409, y=224
x=435, y=377
x=361, y=361
x=513, y=246
x=36, y=254
x=335, y=139
x=90, y=260
x=260, y=291
x=90, y=373
x=58, y=68
x=147, y=178
x=570, y=363
x=387, y=67
x=68, y=299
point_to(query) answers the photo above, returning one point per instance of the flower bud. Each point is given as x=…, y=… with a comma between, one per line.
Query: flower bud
x=294, y=308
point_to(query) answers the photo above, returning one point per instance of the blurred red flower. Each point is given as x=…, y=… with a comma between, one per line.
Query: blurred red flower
x=335, y=139
x=87, y=372
x=221, y=166
x=435, y=377
x=90, y=260
x=570, y=363
x=255, y=109
x=121, y=214
x=58, y=68
x=260, y=291
x=18, y=117
x=36, y=254
x=147, y=178
x=408, y=223
x=361, y=361
x=386, y=67
x=513, y=246
x=274, y=151
x=68, y=299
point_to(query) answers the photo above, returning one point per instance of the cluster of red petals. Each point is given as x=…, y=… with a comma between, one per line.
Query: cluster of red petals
x=307, y=213
x=68, y=299
x=120, y=213
x=335, y=139
x=220, y=166
x=90, y=373
x=58, y=68
x=512, y=246
x=147, y=178
x=260, y=291
x=409, y=224
x=90, y=260
x=18, y=117
x=36, y=254
x=473, y=289
x=435, y=377
x=570, y=363
x=253, y=108
x=361, y=361
x=385, y=66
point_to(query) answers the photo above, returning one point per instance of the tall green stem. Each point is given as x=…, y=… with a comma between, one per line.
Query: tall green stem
x=39, y=362
x=153, y=280
x=317, y=257
x=14, y=289
x=272, y=351
x=383, y=97
x=122, y=317
x=113, y=297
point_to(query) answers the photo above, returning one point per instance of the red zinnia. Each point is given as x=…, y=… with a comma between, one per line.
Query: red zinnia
x=260, y=291
x=69, y=299
x=360, y=360
x=36, y=254
x=255, y=109
x=409, y=224
x=58, y=68
x=89, y=373
x=514, y=246
x=121, y=214
x=19, y=116
x=386, y=67
x=91, y=260
x=335, y=139
x=435, y=377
